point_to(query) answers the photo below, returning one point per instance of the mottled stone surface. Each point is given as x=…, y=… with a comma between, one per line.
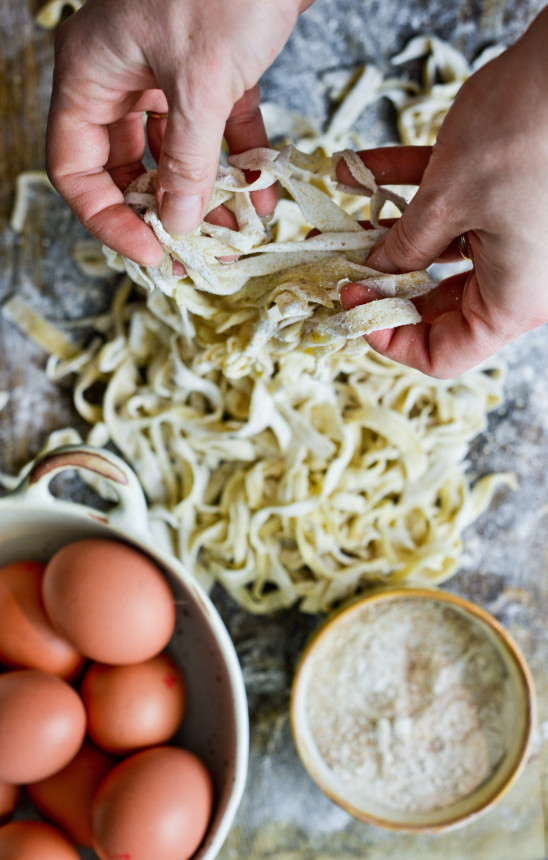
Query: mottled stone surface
x=335, y=34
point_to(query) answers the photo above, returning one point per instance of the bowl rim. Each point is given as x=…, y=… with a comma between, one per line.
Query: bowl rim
x=505, y=643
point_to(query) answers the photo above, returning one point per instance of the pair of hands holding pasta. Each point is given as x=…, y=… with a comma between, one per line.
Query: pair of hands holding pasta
x=200, y=61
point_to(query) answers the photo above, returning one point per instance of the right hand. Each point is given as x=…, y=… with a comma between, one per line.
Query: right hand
x=197, y=60
x=487, y=177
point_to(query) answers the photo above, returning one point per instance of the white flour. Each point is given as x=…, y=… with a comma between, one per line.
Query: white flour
x=409, y=704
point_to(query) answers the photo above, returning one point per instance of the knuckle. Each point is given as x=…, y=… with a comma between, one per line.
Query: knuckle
x=405, y=247
x=243, y=117
x=444, y=206
x=185, y=165
x=420, y=231
x=54, y=175
x=205, y=86
x=442, y=370
x=247, y=108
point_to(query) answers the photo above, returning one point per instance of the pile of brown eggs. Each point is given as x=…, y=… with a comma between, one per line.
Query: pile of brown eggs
x=89, y=700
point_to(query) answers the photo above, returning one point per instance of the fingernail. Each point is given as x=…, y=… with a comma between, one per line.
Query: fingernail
x=352, y=294
x=379, y=260
x=179, y=214
x=345, y=297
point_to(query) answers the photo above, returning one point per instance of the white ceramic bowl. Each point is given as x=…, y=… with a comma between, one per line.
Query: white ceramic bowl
x=35, y=524
x=517, y=722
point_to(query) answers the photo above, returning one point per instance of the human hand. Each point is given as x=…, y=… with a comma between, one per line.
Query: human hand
x=197, y=60
x=486, y=176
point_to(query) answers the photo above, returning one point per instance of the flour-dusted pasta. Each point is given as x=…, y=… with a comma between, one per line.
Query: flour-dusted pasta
x=422, y=109
x=280, y=456
x=281, y=294
x=303, y=485
x=49, y=16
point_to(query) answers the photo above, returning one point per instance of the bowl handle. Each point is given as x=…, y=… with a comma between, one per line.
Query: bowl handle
x=131, y=512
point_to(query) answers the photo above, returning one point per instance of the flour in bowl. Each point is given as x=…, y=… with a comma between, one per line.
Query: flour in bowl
x=409, y=704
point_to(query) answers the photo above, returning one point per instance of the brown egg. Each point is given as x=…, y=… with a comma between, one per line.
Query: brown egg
x=34, y=840
x=42, y=725
x=133, y=706
x=27, y=637
x=9, y=796
x=110, y=600
x=65, y=798
x=154, y=804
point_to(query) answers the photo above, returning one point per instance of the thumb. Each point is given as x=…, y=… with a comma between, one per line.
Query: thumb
x=187, y=169
x=416, y=239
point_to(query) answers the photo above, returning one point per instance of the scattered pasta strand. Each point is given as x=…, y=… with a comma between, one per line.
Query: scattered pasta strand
x=49, y=16
x=281, y=295
x=23, y=196
x=301, y=486
x=280, y=456
x=33, y=324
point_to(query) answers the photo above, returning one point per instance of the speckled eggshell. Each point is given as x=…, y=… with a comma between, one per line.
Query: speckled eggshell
x=34, y=840
x=110, y=600
x=65, y=798
x=42, y=725
x=27, y=637
x=155, y=804
x=135, y=706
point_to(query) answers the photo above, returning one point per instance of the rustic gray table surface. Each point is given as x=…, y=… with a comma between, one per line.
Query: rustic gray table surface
x=504, y=564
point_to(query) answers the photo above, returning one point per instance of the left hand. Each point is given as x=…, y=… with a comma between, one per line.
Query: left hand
x=199, y=62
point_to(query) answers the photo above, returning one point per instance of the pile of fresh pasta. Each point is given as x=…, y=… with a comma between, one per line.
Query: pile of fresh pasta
x=280, y=456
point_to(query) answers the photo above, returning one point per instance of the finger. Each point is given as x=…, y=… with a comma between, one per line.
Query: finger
x=367, y=225
x=245, y=130
x=77, y=151
x=189, y=159
x=424, y=234
x=352, y=295
x=154, y=103
x=156, y=127
x=451, y=254
x=390, y=165
x=446, y=296
x=177, y=269
x=419, y=237
x=454, y=341
x=223, y=217
x=127, y=147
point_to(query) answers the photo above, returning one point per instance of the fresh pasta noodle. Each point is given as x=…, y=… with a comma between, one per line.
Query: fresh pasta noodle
x=25, y=184
x=280, y=456
x=279, y=296
x=302, y=486
x=421, y=110
x=49, y=16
